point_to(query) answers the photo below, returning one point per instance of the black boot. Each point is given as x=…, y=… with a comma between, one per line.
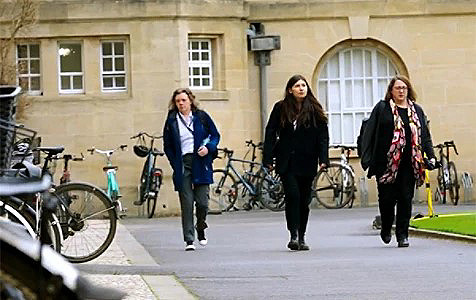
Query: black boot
x=293, y=243
x=302, y=243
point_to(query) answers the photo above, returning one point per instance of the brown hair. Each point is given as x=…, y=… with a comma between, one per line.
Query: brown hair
x=311, y=111
x=191, y=96
x=411, y=92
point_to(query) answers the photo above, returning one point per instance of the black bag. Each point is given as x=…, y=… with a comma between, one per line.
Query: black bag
x=363, y=125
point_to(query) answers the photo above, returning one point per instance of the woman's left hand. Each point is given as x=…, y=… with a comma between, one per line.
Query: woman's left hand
x=202, y=151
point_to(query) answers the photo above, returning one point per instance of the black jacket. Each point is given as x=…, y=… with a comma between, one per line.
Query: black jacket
x=378, y=135
x=305, y=146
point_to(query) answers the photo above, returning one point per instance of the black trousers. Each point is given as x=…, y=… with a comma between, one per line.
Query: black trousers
x=297, y=192
x=400, y=193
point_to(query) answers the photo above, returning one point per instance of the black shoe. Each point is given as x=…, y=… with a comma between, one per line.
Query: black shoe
x=386, y=237
x=138, y=202
x=303, y=246
x=293, y=245
x=403, y=243
x=202, y=240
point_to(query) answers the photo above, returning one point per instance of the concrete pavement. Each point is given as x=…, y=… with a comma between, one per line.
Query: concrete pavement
x=246, y=259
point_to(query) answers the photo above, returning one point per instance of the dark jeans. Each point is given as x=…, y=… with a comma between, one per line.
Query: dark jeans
x=189, y=194
x=400, y=193
x=297, y=191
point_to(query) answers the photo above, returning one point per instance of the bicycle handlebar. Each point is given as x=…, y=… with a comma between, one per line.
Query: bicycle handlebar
x=344, y=147
x=252, y=144
x=106, y=152
x=138, y=135
x=447, y=144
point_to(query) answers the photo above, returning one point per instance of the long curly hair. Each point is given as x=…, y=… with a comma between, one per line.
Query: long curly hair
x=191, y=96
x=311, y=112
x=411, y=92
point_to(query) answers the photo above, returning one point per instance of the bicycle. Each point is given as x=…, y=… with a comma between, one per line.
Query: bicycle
x=447, y=175
x=151, y=177
x=224, y=190
x=334, y=186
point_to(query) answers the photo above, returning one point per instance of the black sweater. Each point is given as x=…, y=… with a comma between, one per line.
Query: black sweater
x=378, y=135
x=298, y=150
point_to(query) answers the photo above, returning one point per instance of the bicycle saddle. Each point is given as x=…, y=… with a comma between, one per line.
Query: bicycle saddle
x=51, y=150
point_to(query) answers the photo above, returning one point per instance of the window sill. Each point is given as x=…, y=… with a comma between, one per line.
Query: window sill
x=81, y=97
x=212, y=95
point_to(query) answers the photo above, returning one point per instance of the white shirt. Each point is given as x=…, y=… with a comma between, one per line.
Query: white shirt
x=186, y=137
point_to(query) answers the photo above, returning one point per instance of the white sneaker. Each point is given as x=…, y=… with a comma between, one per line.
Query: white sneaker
x=203, y=242
x=189, y=247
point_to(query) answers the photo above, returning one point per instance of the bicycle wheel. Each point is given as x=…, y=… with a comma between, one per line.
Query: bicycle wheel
x=152, y=199
x=23, y=214
x=443, y=178
x=334, y=186
x=223, y=192
x=143, y=182
x=271, y=192
x=453, y=186
x=89, y=220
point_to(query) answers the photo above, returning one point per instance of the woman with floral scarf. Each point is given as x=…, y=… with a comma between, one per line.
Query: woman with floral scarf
x=395, y=139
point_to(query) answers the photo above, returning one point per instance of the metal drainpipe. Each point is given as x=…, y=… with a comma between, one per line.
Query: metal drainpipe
x=263, y=98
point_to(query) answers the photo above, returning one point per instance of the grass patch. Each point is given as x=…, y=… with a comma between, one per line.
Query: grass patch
x=462, y=223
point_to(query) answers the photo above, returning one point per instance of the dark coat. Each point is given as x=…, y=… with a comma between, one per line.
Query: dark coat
x=202, y=171
x=378, y=135
x=305, y=146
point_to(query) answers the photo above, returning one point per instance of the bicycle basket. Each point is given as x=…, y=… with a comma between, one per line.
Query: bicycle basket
x=10, y=135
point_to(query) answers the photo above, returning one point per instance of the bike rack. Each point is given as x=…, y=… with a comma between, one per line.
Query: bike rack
x=467, y=186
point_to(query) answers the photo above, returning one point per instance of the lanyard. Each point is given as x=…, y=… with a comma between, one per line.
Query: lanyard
x=187, y=126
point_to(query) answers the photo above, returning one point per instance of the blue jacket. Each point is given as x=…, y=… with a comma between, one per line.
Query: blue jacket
x=203, y=127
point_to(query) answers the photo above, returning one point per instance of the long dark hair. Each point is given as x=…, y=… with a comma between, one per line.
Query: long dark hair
x=191, y=96
x=311, y=112
x=411, y=92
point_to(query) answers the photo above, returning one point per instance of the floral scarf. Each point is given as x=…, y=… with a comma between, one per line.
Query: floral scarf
x=395, y=152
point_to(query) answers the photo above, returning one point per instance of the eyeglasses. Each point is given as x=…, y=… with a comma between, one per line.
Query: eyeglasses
x=404, y=88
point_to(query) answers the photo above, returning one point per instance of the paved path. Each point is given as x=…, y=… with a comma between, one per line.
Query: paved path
x=247, y=259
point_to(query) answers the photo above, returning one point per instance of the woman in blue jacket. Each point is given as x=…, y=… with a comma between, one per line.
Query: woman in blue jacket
x=190, y=139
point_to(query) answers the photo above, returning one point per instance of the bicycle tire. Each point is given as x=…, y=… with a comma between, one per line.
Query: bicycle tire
x=437, y=198
x=223, y=192
x=441, y=179
x=453, y=187
x=51, y=235
x=90, y=219
x=18, y=215
x=143, y=182
x=329, y=188
x=271, y=192
x=152, y=200
x=24, y=272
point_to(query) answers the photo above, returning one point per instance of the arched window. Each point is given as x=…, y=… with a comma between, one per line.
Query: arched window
x=349, y=84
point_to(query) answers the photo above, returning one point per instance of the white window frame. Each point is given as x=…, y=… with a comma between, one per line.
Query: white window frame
x=70, y=74
x=378, y=84
x=113, y=73
x=200, y=64
x=27, y=61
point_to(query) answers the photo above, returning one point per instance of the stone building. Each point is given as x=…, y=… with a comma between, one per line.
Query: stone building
x=102, y=70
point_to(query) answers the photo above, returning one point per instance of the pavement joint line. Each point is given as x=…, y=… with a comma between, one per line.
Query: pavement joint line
x=441, y=235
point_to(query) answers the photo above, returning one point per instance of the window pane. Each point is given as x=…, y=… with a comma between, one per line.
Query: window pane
x=70, y=57
x=369, y=99
x=120, y=81
x=107, y=64
x=358, y=121
x=205, y=56
x=323, y=74
x=195, y=56
x=23, y=67
x=196, y=82
x=392, y=71
x=348, y=94
x=106, y=49
x=381, y=65
x=205, y=45
x=119, y=64
x=348, y=129
x=347, y=64
x=24, y=83
x=196, y=71
x=205, y=71
x=334, y=96
x=35, y=84
x=35, y=51
x=22, y=51
x=322, y=92
x=359, y=93
x=205, y=82
x=65, y=84
x=35, y=66
x=119, y=48
x=382, y=88
x=194, y=45
x=336, y=134
x=368, y=64
x=77, y=82
x=358, y=64
x=334, y=67
x=107, y=82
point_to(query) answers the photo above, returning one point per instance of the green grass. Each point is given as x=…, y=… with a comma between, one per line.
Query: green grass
x=461, y=223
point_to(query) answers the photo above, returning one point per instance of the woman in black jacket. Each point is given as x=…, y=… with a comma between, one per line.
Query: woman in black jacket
x=297, y=136
x=392, y=145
